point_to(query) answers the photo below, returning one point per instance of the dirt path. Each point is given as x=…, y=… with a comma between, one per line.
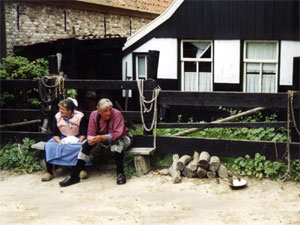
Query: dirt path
x=150, y=199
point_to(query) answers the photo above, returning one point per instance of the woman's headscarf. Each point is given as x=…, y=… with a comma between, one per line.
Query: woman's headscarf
x=69, y=103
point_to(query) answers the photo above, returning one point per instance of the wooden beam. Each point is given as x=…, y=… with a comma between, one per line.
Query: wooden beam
x=20, y=124
x=19, y=135
x=219, y=147
x=21, y=113
x=184, y=145
x=80, y=84
x=227, y=119
x=228, y=124
x=37, y=114
x=175, y=98
x=229, y=99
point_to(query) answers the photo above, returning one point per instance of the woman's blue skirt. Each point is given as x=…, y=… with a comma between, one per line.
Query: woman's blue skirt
x=62, y=154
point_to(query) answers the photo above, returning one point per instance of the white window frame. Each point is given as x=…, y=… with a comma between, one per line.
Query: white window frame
x=137, y=66
x=261, y=62
x=185, y=59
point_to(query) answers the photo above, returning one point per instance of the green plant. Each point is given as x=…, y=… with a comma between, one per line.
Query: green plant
x=295, y=169
x=19, y=157
x=71, y=93
x=21, y=68
x=243, y=133
x=260, y=167
x=129, y=168
x=5, y=97
x=162, y=160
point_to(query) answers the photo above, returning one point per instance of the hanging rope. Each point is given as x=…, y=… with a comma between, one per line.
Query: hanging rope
x=288, y=171
x=50, y=88
x=291, y=93
x=147, y=109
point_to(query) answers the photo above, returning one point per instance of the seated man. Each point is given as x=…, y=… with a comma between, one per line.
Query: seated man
x=106, y=129
x=68, y=135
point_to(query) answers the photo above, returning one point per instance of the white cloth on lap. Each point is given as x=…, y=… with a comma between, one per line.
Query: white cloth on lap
x=69, y=140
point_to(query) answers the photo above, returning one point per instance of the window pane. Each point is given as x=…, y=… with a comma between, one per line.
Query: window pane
x=252, y=77
x=190, y=76
x=142, y=66
x=261, y=50
x=269, y=68
x=205, y=76
x=269, y=78
x=252, y=68
x=196, y=49
x=204, y=67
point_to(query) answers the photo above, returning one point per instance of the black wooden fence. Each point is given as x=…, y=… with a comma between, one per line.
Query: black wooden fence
x=180, y=145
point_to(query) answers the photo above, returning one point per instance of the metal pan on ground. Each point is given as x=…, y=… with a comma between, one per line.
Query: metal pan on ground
x=238, y=183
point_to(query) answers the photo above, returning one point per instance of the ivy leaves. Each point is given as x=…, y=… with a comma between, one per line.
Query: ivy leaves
x=260, y=167
x=19, y=157
x=21, y=68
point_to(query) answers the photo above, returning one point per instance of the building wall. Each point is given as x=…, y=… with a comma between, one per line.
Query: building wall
x=28, y=23
x=289, y=50
x=167, y=65
x=167, y=47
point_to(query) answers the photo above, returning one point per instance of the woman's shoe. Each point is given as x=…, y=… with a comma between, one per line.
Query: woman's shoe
x=47, y=177
x=83, y=174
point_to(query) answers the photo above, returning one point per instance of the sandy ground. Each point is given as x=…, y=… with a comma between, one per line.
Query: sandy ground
x=149, y=199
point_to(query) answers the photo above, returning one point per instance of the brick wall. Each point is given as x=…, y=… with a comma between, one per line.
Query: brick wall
x=38, y=23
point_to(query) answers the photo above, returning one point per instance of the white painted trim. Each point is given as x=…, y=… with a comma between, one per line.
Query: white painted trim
x=288, y=50
x=153, y=24
x=197, y=60
x=261, y=62
x=182, y=76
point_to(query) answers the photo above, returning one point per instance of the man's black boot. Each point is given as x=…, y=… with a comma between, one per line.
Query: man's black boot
x=69, y=180
x=121, y=179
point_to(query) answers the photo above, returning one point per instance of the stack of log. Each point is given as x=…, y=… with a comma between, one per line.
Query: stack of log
x=201, y=165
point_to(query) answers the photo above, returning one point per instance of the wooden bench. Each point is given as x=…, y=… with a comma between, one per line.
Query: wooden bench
x=141, y=156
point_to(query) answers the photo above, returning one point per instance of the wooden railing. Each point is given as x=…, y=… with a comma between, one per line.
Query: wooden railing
x=181, y=145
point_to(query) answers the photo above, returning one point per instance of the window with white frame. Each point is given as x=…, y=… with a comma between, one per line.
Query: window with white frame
x=141, y=66
x=260, y=66
x=196, y=65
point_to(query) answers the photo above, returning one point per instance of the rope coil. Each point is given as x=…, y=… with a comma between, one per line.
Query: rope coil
x=147, y=109
x=50, y=88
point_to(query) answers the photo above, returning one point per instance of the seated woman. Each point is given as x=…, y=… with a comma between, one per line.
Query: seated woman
x=69, y=132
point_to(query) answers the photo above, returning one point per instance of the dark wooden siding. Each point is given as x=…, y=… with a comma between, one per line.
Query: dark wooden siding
x=231, y=19
x=2, y=31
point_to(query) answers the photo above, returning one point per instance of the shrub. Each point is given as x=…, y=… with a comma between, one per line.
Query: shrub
x=21, y=68
x=19, y=157
x=260, y=167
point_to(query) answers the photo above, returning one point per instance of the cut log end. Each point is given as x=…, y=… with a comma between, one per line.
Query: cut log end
x=211, y=174
x=183, y=161
x=173, y=170
x=222, y=171
x=201, y=172
x=204, y=159
x=214, y=163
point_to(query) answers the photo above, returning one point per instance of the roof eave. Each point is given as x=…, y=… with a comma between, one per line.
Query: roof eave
x=153, y=24
x=117, y=6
